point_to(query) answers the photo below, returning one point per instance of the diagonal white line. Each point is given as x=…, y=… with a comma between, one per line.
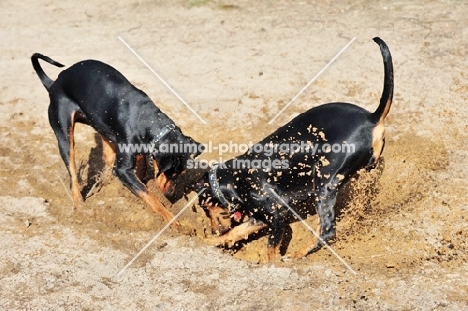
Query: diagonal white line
x=160, y=232
x=269, y=189
x=311, y=81
x=66, y=190
x=161, y=79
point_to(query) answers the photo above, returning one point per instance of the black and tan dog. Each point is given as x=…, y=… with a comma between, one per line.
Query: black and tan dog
x=98, y=95
x=263, y=184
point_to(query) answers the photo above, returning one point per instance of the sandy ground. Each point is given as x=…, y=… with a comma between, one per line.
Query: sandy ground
x=403, y=227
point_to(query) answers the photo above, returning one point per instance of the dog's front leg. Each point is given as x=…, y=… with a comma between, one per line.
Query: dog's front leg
x=275, y=238
x=276, y=228
x=325, y=207
x=124, y=170
x=238, y=233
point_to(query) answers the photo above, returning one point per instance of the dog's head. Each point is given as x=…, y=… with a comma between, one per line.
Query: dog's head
x=175, y=156
x=220, y=218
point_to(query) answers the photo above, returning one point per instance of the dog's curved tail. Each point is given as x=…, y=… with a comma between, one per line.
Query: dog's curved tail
x=387, y=93
x=37, y=67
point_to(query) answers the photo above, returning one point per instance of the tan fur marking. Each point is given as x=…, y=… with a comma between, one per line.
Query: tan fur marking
x=378, y=135
x=140, y=167
x=163, y=183
x=274, y=252
x=238, y=233
x=108, y=152
x=388, y=104
x=155, y=167
x=220, y=224
x=156, y=206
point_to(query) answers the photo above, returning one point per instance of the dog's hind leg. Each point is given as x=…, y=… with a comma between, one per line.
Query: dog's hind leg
x=108, y=152
x=62, y=113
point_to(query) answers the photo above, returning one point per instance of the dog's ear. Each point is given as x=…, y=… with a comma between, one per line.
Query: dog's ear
x=194, y=148
x=165, y=164
x=171, y=165
x=200, y=148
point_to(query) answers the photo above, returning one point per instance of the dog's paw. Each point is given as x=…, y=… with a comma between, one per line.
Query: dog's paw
x=294, y=256
x=176, y=226
x=220, y=241
x=217, y=241
x=211, y=241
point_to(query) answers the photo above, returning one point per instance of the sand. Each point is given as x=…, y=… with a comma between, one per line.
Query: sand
x=402, y=228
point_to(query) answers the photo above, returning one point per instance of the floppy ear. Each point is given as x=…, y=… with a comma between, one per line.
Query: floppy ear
x=165, y=164
x=171, y=165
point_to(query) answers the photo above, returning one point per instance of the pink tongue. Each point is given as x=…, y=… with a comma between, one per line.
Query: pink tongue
x=237, y=216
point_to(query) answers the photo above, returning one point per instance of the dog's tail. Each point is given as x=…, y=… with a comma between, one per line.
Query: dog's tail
x=387, y=94
x=44, y=78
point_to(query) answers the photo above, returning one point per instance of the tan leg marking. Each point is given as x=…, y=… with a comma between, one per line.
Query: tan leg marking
x=236, y=234
x=108, y=152
x=140, y=167
x=220, y=220
x=274, y=251
x=108, y=155
x=162, y=182
x=156, y=206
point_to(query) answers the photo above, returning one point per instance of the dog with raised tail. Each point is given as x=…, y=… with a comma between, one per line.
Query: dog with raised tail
x=266, y=194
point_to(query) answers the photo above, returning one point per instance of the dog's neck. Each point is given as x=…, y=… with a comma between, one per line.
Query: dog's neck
x=232, y=201
x=159, y=136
